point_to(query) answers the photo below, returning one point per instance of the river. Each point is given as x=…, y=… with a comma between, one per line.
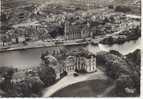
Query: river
x=31, y=57
x=124, y=48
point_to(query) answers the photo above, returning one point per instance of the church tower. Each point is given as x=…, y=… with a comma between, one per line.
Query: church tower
x=66, y=30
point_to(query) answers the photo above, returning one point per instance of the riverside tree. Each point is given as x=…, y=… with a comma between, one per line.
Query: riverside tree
x=6, y=73
x=47, y=75
x=3, y=39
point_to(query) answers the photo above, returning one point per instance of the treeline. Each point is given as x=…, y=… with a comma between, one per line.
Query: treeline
x=123, y=71
x=30, y=83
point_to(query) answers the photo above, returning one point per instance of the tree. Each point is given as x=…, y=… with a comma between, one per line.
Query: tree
x=121, y=8
x=111, y=7
x=44, y=54
x=16, y=36
x=4, y=39
x=135, y=56
x=124, y=82
x=114, y=65
x=30, y=85
x=123, y=70
x=56, y=30
x=3, y=17
x=6, y=73
x=134, y=59
x=47, y=75
x=63, y=74
x=109, y=40
x=116, y=53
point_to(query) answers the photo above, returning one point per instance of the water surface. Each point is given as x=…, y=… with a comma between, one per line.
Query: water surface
x=31, y=57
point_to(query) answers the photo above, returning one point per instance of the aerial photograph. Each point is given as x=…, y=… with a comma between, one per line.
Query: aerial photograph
x=70, y=48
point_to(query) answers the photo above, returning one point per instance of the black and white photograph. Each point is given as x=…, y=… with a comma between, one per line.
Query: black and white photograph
x=70, y=48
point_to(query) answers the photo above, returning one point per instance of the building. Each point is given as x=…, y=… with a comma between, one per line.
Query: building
x=73, y=32
x=80, y=62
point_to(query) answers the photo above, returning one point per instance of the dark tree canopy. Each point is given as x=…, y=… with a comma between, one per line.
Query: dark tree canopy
x=47, y=75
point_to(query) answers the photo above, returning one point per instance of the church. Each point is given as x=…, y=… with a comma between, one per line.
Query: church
x=73, y=32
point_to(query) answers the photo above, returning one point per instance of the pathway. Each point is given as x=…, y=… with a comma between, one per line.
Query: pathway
x=70, y=79
x=107, y=90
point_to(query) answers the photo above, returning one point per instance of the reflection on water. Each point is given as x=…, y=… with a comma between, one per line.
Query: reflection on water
x=22, y=59
x=122, y=48
x=31, y=57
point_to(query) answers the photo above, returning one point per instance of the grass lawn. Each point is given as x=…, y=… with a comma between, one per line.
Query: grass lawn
x=91, y=88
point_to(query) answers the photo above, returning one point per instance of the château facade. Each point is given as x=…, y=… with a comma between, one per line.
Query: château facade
x=80, y=63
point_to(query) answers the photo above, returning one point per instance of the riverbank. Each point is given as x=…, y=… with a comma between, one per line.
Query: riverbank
x=110, y=64
x=31, y=57
x=40, y=44
x=109, y=39
x=122, y=37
